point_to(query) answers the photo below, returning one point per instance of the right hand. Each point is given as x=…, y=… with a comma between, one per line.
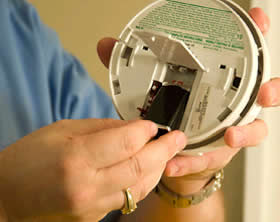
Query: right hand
x=78, y=169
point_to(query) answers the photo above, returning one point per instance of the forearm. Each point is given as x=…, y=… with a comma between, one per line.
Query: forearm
x=153, y=208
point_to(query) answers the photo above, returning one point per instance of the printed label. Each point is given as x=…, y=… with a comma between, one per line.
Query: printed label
x=211, y=28
x=200, y=108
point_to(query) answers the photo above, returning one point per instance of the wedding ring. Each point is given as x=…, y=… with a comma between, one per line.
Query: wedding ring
x=129, y=205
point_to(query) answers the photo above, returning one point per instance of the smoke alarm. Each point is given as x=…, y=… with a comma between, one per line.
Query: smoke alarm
x=190, y=65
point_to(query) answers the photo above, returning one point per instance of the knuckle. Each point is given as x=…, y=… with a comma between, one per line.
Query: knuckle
x=132, y=143
x=74, y=175
x=168, y=148
x=129, y=143
x=144, y=126
x=77, y=201
x=171, y=144
x=74, y=142
x=135, y=167
x=71, y=156
x=68, y=166
x=77, y=141
x=147, y=124
x=72, y=167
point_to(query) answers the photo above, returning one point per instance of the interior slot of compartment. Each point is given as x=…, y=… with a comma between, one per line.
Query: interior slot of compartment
x=169, y=106
x=117, y=87
x=224, y=114
x=150, y=98
x=146, y=48
x=223, y=66
x=180, y=75
x=236, y=81
x=127, y=54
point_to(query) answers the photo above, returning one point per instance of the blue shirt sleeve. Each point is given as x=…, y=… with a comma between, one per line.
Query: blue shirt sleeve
x=74, y=94
x=40, y=82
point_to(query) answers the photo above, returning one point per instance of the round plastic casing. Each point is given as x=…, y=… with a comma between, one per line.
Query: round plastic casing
x=210, y=48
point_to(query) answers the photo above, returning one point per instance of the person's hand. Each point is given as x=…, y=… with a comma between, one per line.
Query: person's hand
x=77, y=170
x=188, y=174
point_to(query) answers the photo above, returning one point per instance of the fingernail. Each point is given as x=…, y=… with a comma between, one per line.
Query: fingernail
x=154, y=129
x=239, y=139
x=181, y=140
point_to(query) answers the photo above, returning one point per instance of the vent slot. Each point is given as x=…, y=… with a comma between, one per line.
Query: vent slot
x=146, y=48
x=127, y=54
x=223, y=67
x=224, y=114
x=236, y=81
x=117, y=87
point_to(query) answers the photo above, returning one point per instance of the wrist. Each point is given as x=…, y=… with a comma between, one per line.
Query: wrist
x=179, y=197
x=185, y=185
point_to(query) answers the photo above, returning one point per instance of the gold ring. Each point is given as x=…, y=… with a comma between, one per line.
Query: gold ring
x=129, y=205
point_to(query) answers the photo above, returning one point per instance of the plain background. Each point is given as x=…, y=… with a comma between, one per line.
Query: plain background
x=81, y=24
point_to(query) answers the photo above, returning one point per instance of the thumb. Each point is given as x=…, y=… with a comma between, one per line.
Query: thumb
x=104, y=50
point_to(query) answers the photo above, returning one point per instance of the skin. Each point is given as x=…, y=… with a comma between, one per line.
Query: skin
x=76, y=170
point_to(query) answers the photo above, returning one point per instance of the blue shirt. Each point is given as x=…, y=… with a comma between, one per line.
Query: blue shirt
x=40, y=82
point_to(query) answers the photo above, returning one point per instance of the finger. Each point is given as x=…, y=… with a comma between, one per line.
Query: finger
x=208, y=164
x=104, y=50
x=260, y=18
x=199, y=167
x=111, y=146
x=153, y=157
x=183, y=165
x=269, y=94
x=249, y=135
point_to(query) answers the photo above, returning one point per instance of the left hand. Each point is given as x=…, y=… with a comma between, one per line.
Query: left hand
x=188, y=174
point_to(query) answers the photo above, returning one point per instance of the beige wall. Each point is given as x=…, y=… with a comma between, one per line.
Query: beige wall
x=80, y=24
x=262, y=165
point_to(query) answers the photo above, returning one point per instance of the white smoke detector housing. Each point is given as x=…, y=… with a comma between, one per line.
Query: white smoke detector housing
x=192, y=65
